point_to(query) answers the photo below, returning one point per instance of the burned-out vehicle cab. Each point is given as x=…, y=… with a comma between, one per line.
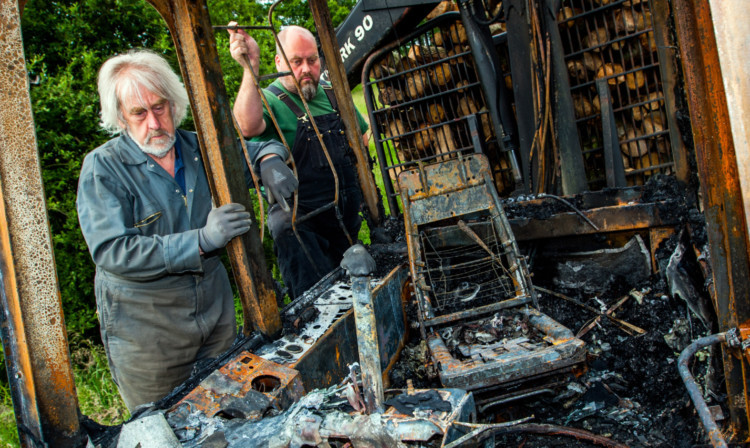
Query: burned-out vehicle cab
x=565, y=230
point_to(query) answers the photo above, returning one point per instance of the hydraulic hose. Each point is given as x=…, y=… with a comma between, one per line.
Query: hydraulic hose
x=714, y=433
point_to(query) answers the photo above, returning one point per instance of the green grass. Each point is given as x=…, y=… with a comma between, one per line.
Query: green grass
x=98, y=397
x=97, y=393
x=8, y=431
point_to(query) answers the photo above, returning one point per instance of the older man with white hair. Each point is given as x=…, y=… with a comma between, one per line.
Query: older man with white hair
x=144, y=205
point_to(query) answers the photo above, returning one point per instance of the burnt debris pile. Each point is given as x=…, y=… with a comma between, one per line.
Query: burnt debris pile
x=635, y=301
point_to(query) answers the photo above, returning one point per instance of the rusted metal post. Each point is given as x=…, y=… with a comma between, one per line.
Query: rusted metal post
x=613, y=169
x=367, y=342
x=722, y=183
x=572, y=170
x=337, y=75
x=190, y=26
x=666, y=49
x=33, y=328
x=733, y=42
x=519, y=44
x=360, y=265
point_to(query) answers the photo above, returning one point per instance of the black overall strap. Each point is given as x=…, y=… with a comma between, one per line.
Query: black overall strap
x=284, y=97
x=328, y=89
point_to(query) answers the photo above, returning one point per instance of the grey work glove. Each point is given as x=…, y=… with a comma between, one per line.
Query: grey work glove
x=357, y=261
x=223, y=224
x=278, y=180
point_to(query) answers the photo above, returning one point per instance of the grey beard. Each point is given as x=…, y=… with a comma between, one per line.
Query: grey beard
x=309, y=91
x=157, y=151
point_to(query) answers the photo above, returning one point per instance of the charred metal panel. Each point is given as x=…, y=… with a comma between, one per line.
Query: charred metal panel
x=367, y=343
x=722, y=193
x=33, y=326
x=190, y=26
x=327, y=362
x=389, y=297
x=328, y=345
x=509, y=360
x=238, y=378
x=606, y=219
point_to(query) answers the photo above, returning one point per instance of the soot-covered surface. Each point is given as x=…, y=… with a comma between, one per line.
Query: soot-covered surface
x=505, y=325
x=630, y=391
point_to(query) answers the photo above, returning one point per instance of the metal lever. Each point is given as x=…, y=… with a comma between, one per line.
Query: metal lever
x=358, y=263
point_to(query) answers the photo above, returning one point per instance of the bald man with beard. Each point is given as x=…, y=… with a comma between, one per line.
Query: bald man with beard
x=322, y=237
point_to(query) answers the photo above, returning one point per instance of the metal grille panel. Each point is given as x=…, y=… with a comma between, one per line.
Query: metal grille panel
x=421, y=93
x=615, y=41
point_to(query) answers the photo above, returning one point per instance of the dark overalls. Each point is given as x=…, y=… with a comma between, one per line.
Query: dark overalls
x=321, y=234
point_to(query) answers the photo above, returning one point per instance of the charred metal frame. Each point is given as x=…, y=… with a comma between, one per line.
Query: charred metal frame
x=609, y=211
x=434, y=193
x=721, y=158
x=442, y=254
x=32, y=322
x=517, y=364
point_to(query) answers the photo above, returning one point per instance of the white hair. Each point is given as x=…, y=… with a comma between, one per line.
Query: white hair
x=124, y=75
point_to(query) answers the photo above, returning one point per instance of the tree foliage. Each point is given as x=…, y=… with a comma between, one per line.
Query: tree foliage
x=65, y=43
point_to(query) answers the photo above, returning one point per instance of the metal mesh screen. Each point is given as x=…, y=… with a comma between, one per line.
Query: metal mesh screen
x=421, y=93
x=614, y=40
x=465, y=274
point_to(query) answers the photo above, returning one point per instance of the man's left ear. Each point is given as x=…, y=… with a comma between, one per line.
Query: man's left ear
x=279, y=63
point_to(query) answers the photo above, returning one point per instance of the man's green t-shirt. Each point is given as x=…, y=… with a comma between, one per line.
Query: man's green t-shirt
x=286, y=118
